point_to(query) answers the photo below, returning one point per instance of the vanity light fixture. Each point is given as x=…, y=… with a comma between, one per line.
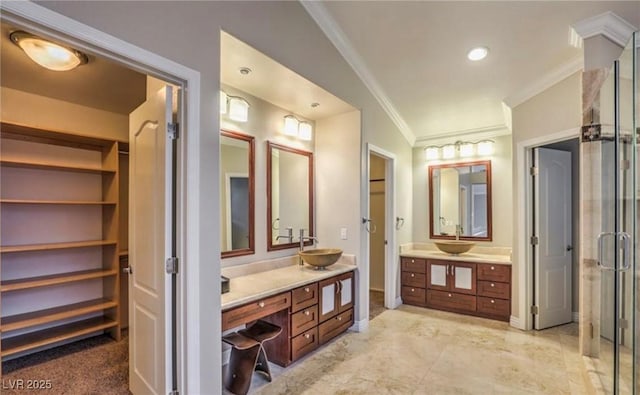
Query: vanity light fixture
x=478, y=53
x=463, y=149
x=238, y=109
x=47, y=54
x=296, y=128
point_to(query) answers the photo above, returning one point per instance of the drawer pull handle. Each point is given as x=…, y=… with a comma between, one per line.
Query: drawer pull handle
x=449, y=295
x=493, y=268
x=492, y=285
x=413, y=275
x=413, y=290
x=412, y=261
x=261, y=304
x=307, y=290
x=339, y=318
x=307, y=312
x=493, y=301
x=306, y=336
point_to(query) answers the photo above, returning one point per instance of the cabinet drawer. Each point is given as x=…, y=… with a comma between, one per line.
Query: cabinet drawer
x=491, y=272
x=411, y=279
x=495, y=307
x=492, y=289
x=304, y=343
x=451, y=301
x=255, y=310
x=335, y=326
x=304, y=320
x=415, y=265
x=304, y=297
x=413, y=295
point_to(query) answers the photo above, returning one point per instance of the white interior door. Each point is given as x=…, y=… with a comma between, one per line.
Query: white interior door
x=553, y=255
x=149, y=244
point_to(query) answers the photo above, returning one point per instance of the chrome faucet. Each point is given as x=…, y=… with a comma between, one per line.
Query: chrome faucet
x=288, y=236
x=458, y=231
x=303, y=238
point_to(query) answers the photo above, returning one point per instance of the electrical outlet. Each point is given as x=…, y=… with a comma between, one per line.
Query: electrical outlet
x=343, y=233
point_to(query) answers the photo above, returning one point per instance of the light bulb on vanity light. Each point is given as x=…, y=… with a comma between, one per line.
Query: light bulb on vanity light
x=223, y=102
x=238, y=109
x=291, y=126
x=432, y=153
x=305, y=131
x=466, y=149
x=448, y=151
x=485, y=147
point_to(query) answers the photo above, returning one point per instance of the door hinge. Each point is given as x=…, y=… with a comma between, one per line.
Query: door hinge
x=173, y=129
x=534, y=240
x=625, y=164
x=535, y=310
x=533, y=171
x=171, y=265
x=624, y=324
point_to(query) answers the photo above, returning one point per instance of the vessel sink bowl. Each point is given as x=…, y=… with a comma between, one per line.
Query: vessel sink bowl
x=321, y=257
x=454, y=247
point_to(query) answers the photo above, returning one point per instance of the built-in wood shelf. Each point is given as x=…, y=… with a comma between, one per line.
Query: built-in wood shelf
x=34, y=318
x=56, y=246
x=54, y=202
x=56, y=334
x=53, y=166
x=54, y=279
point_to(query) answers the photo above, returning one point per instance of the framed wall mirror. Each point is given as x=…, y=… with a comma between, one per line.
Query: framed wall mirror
x=460, y=201
x=237, y=194
x=289, y=196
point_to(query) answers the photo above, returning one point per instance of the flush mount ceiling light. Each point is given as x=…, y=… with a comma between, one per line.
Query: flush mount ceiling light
x=478, y=53
x=47, y=54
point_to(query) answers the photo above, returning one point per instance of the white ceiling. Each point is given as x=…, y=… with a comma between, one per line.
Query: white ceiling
x=292, y=91
x=415, y=53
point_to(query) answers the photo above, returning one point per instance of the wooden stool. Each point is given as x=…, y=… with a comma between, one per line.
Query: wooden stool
x=248, y=355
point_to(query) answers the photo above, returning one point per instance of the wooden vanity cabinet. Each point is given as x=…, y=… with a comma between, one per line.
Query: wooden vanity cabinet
x=480, y=289
x=336, y=295
x=413, y=279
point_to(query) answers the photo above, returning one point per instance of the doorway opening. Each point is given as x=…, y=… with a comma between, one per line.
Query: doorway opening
x=89, y=186
x=555, y=230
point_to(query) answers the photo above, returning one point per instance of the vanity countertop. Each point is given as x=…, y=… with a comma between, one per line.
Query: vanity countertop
x=466, y=257
x=255, y=286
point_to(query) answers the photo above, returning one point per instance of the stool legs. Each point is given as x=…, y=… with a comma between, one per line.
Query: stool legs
x=262, y=365
x=240, y=369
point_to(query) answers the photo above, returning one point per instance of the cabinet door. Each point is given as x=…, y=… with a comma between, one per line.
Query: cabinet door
x=463, y=277
x=438, y=275
x=328, y=305
x=345, y=301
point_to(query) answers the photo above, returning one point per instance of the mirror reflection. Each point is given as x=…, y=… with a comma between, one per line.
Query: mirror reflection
x=290, y=195
x=236, y=194
x=460, y=201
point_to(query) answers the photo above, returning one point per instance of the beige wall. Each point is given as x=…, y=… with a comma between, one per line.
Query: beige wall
x=501, y=193
x=555, y=110
x=46, y=113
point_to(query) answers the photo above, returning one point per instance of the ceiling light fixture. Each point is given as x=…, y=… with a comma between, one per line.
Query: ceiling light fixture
x=478, y=53
x=463, y=149
x=245, y=70
x=47, y=54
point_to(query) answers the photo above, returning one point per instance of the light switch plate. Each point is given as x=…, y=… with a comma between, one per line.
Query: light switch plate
x=343, y=233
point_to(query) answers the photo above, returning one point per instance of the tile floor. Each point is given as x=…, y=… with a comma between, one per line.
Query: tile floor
x=420, y=351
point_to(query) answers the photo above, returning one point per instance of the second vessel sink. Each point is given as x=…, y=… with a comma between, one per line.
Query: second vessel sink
x=454, y=247
x=321, y=257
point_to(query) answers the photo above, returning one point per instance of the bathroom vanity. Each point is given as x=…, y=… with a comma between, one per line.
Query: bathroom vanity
x=474, y=283
x=311, y=306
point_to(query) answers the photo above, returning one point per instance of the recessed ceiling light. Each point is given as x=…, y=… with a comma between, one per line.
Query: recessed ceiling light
x=245, y=70
x=47, y=54
x=478, y=53
x=315, y=104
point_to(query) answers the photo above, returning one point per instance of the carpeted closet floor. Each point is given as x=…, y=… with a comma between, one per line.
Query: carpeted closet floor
x=98, y=365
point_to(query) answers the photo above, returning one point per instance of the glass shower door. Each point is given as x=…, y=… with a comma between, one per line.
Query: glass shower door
x=617, y=244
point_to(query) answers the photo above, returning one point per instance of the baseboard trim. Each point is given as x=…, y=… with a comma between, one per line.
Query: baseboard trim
x=360, y=326
x=575, y=316
x=515, y=322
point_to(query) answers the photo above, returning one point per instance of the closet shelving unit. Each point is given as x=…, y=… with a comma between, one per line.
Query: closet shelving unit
x=59, y=234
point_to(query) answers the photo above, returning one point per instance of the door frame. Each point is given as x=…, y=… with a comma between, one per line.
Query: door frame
x=391, y=258
x=45, y=22
x=524, y=221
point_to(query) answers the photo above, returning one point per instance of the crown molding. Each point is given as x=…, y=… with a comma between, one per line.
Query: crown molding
x=475, y=134
x=336, y=35
x=545, y=82
x=607, y=24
